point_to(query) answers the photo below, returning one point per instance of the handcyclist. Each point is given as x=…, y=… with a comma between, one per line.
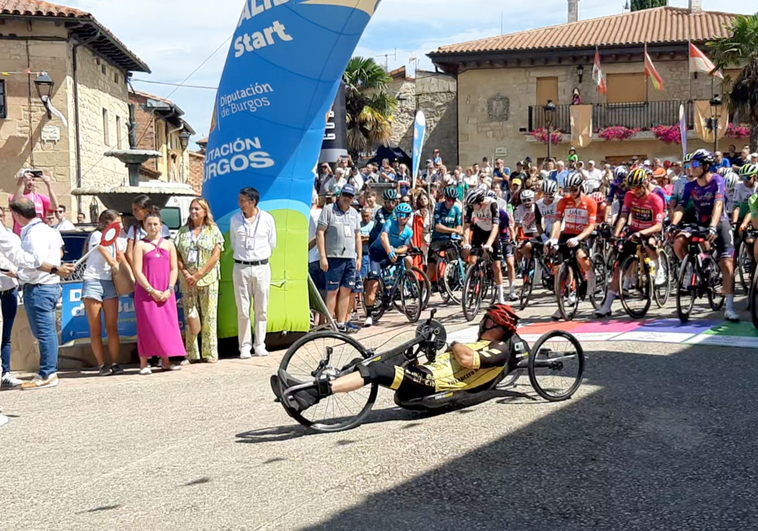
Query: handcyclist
x=448, y=226
x=481, y=229
x=749, y=174
x=383, y=215
x=394, y=240
x=642, y=214
x=579, y=214
x=708, y=191
x=464, y=367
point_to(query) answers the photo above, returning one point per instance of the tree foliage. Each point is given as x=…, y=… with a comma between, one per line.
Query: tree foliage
x=369, y=106
x=739, y=48
x=639, y=5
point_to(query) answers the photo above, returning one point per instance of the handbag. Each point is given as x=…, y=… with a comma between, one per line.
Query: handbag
x=123, y=279
x=193, y=320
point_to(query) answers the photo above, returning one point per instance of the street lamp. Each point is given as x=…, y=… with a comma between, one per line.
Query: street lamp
x=549, y=117
x=184, y=138
x=45, y=86
x=715, y=115
x=580, y=71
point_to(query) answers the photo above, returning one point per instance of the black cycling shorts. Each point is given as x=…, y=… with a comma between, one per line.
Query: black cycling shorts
x=480, y=237
x=437, y=246
x=724, y=239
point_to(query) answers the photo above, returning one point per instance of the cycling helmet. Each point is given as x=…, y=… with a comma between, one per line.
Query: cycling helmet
x=390, y=195
x=731, y=180
x=549, y=187
x=503, y=316
x=492, y=194
x=688, y=157
x=575, y=179
x=475, y=196
x=451, y=193
x=403, y=210
x=620, y=173
x=725, y=171
x=704, y=156
x=598, y=197
x=527, y=196
x=749, y=170
x=639, y=177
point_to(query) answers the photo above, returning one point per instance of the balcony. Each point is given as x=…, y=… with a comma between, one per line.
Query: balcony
x=639, y=115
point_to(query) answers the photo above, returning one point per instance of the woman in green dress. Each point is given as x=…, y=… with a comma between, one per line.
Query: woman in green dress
x=199, y=244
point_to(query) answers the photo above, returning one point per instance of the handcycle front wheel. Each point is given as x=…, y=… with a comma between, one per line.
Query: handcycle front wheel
x=328, y=353
x=556, y=366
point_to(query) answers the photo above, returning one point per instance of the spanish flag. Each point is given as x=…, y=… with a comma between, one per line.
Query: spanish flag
x=652, y=73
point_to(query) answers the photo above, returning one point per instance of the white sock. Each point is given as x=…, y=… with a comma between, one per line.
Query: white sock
x=511, y=288
x=501, y=294
x=730, y=301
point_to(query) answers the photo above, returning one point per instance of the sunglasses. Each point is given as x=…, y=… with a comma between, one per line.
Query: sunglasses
x=575, y=189
x=687, y=166
x=403, y=216
x=696, y=164
x=60, y=211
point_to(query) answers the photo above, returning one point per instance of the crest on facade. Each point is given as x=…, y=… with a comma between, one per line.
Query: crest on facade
x=499, y=108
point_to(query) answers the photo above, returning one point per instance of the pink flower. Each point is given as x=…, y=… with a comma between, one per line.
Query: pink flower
x=736, y=131
x=669, y=134
x=541, y=136
x=617, y=132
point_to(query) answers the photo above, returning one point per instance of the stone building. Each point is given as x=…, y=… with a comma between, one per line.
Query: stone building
x=89, y=67
x=160, y=127
x=504, y=82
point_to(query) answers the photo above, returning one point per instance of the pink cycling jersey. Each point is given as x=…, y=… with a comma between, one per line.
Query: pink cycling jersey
x=643, y=212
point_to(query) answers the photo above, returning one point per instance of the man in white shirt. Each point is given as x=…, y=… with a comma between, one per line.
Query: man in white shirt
x=41, y=289
x=253, y=239
x=63, y=222
x=594, y=177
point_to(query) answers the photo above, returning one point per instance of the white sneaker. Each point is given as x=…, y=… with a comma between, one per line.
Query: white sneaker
x=731, y=315
x=605, y=311
x=10, y=382
x=513, y=296
x=368, y=322
x=245, y=356
x=3, y=420
x=557, y=316
x=146, y=370
x=660, y=277
x=261, y=352
x=571, y=299
x=41, y=383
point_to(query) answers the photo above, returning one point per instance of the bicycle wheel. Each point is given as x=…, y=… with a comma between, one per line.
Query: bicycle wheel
x=610, y=265
x=411, y=300
x=329, y=353
x=601, y=281
x=379, y=303
x=454, y=277
x=527, y=283
x=635, y=291
x=716, y=296
x=442, y=266
x=754, y=298
x=566, y=291
x=425, y=284
x=473, y=290
x=686, y=291
x=662, y=292
x=556, y=366
x=744, y=266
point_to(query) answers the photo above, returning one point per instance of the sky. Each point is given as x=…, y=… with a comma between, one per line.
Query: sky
x=178, y=39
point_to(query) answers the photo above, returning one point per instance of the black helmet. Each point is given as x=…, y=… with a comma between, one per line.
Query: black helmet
x=451, y=193
x=475, y=196
x=390, y=194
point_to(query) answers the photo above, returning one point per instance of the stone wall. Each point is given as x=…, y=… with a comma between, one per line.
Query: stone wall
x=197, y=170
x=493, y=109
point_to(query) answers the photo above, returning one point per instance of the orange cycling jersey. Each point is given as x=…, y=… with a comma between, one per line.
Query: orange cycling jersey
x=577, y=215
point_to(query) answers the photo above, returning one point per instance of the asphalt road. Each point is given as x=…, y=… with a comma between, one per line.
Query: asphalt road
x=660, y=436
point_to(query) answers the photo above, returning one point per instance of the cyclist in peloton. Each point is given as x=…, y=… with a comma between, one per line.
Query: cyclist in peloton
x=579, y=214
x=730, y=182
x=618, y=192
x=642, y=215
x=482, y=226
x=383, y=215
x=464, y=367
x=690, y=216
x=394, y=239
x=529, y=224
x=507, y=239
x=708, y=191
x=749, y=174
x=448, y=226
x=603, y=212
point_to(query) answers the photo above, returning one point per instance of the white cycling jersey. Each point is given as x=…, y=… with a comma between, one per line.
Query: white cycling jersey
x=741, y=196
x=527, y=218
x=548, y=214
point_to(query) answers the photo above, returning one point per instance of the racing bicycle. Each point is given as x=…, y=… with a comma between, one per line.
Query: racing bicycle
x=570, y=283
x=479, y=284
x=528, y=269
x=638, y=280
x=699, y=275
x=398, y=287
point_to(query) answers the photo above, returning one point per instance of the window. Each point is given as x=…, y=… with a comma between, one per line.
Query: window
x=118, y=132
x=547, y=90
x=626, y=88
x=116, y=78
x=3, y=104
x=106, y=136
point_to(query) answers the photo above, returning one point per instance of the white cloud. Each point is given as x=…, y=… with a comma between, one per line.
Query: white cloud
x=175, y=36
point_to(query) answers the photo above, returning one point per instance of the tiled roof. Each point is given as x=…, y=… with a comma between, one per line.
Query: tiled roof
x=106, y=44
x=653, y=26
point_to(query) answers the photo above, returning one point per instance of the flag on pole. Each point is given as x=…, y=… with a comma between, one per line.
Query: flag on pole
x=683, y=128
x=699, y=62
x=652, y=73
x=597, y=74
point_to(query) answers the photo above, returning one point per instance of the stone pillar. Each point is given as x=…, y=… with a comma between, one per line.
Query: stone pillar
x=573, y=12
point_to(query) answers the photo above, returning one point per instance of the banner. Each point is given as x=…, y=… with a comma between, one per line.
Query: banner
x=703, y=118
x=683, y=129
x=699, y=62
x=597, y=74
x=419, y=137
x=280, y=80
x=581, y=125
x=652, y=72
x=334, y=145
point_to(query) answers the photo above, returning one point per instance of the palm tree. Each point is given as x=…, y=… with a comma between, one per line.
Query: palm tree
x=639, y=5
x=369, y=106
x=741, y=48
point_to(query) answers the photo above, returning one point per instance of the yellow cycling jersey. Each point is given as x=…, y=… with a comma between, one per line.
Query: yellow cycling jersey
x=449, y=375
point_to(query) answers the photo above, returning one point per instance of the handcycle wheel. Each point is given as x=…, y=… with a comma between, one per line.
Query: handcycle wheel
x=411, y=298
x=662, y=292
x=425, y=284
x=601, y=281
x=686, y=290
x=473, y=290
x=635, y=292
x=306, y=357
x=566, y=292
x=527, y=284
x=379, y=303
x=556, y=366
x=716, y=296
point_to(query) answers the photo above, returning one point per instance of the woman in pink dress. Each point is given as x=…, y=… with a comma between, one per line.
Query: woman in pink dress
x=155, y=269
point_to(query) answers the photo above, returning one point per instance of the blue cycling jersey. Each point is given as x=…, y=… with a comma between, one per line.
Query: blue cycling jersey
x=397, y=239
x=448, y=217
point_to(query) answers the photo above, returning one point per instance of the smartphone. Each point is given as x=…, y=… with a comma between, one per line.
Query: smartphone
x=37, y=174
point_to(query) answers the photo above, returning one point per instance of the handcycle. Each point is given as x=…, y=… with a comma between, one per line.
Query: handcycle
x=555, y=366
x=479, y=284
x=571, y=286
x=638, y=285
x=699, y=275
x=528, y=268
x=404, y=292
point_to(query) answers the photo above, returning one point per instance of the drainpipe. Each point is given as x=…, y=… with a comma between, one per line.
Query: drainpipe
x=77, y=115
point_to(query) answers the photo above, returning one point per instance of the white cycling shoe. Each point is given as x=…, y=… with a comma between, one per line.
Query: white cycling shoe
x=731, y=315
